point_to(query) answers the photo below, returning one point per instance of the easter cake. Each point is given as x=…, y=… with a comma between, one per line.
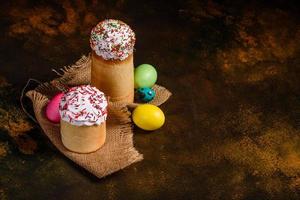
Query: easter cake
x=112, y=71
x=83, y=111
x=76, y=117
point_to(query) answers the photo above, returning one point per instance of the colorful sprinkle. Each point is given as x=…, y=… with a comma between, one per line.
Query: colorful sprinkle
x=112, y=40
x=83, y=105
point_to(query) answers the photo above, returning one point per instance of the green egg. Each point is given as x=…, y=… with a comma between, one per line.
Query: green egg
x=145, y=75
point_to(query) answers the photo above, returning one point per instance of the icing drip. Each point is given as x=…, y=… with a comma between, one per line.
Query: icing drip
x=83, y=105
x=112, y=40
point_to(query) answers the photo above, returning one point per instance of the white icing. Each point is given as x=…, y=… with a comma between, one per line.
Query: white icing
x=83, y=105
x=112, y=40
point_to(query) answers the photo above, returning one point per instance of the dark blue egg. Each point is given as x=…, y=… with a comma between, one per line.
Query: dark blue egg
x=145, y=94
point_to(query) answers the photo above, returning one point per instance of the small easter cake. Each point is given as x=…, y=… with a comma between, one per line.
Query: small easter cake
x=112, y=43
x=83, y=111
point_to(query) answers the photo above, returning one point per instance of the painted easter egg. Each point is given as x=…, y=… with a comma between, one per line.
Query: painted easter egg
x=145, y=94
x=148, y=117
x=145, y=75
x=52, y=109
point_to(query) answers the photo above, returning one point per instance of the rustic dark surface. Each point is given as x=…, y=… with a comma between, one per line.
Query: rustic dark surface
x=232, y=124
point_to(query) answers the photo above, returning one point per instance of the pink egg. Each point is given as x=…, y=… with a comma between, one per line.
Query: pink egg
x=52, y=109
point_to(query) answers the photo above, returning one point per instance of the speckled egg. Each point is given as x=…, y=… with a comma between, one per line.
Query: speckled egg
x=145, y=94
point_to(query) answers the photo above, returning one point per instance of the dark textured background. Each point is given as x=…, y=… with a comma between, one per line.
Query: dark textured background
x=233, y=123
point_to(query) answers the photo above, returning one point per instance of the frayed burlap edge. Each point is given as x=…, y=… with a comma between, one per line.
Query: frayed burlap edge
x=118, y=151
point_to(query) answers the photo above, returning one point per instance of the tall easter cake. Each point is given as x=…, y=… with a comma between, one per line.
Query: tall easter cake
x=112, y=43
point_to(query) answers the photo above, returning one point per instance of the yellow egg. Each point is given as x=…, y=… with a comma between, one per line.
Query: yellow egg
x=148, y=117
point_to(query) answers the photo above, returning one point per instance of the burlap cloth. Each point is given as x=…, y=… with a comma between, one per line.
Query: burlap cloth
x=118, y=151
